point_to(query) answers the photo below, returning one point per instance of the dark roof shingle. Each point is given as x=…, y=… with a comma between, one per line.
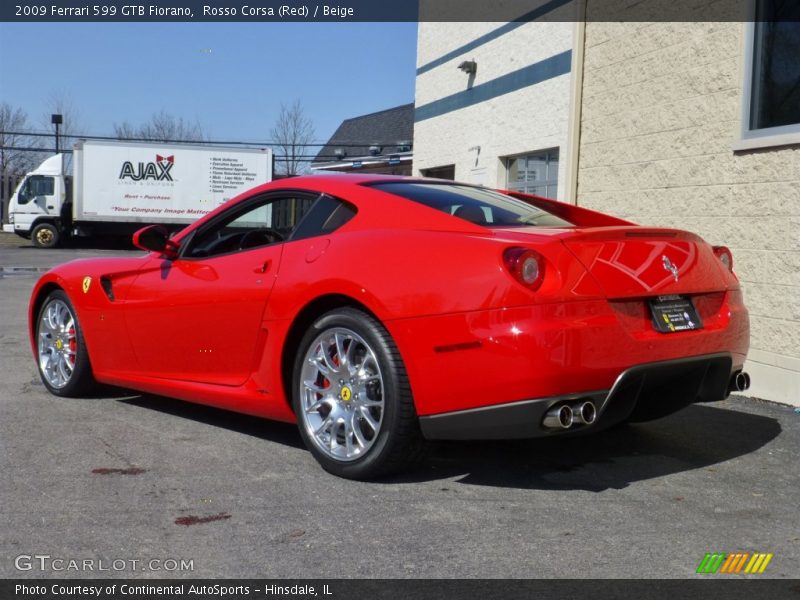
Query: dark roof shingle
x=386, y=128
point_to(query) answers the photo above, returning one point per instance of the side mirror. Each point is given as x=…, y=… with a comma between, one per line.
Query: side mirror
x=155, y=238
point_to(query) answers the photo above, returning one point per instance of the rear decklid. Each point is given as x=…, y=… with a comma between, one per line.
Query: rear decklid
x=630, y=262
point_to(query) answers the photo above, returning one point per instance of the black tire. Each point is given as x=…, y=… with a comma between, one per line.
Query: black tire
x=45, y=235
x=80, y=380
x=399, y=443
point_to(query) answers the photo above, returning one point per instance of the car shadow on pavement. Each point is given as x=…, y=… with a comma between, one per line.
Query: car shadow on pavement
x=694, y=438
x=273, y=431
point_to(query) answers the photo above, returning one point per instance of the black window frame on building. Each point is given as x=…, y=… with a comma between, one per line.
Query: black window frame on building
x=771, y=84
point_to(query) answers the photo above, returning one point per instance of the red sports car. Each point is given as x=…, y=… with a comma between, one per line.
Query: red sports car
x=378, y=312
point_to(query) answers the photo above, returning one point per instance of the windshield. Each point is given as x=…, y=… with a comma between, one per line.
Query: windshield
x=477, y=205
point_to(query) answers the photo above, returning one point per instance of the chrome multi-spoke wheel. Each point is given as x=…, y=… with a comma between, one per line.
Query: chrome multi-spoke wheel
x=63, y=361
x=341, y=391
x=58, y=343
x=352, y=397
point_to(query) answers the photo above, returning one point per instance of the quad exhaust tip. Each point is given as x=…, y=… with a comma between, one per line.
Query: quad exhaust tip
x=584, y=413
x=564, y=416
x=558, y=417
x=740, y=382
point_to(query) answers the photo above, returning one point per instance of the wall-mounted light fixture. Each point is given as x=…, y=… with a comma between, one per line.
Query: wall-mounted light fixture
x=470, y=67
x=340, y=153
x=375, y=150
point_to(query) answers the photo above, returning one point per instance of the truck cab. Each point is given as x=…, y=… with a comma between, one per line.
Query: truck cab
x=119, y=186
x=37, y=208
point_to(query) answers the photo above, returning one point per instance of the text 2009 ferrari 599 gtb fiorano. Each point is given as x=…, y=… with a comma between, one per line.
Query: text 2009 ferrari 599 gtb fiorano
x=378, y=312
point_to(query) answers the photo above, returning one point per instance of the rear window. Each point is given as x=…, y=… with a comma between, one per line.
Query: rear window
x=473, y=204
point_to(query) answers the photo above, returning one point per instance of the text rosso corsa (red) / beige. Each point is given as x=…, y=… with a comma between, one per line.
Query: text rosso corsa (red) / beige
x=283, y=11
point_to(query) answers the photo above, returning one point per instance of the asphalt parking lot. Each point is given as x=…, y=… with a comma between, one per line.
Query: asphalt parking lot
x=131, y=477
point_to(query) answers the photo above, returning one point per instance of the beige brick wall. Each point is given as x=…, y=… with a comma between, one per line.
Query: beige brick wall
x=660, y=112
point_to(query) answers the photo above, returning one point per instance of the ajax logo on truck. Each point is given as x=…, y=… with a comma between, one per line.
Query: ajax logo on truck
x=157, y=171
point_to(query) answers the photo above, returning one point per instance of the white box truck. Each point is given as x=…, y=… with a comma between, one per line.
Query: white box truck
x=117, y=187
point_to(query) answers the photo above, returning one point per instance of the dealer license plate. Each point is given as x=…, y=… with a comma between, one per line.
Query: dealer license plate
x=674, y=313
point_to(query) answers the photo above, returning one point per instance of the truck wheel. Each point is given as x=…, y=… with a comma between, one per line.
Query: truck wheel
x=45, y=235
x=352, y=398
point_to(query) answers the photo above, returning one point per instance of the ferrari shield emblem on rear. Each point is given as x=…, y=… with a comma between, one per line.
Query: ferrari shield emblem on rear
x=668, y=266
x=87, y=281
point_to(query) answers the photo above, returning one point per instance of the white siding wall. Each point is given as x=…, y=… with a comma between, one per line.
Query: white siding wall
x=530, y=119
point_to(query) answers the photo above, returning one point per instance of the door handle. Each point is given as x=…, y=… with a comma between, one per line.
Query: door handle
x=263, y=267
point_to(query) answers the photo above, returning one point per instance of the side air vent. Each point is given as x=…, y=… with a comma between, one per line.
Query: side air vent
x=105, y=283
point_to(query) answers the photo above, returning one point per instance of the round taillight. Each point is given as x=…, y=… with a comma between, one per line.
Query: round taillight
x=725, y=257
x=529, y=271
x=526, y=266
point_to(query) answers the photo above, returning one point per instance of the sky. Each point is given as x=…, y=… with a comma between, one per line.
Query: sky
x=231, y=77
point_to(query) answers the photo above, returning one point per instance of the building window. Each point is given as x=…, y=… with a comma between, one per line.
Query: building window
x=446, y=172
x=534, y=173
x=772, y=71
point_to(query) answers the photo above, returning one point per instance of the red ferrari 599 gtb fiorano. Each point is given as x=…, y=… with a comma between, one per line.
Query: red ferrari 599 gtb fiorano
x=378, y=312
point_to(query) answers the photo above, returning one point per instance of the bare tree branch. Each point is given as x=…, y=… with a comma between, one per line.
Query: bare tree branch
x=162, y=127
x=291, y=130
x=16, y=162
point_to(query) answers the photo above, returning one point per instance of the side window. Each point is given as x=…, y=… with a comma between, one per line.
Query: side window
x=327, y=215
x=43, y=186
x=481, y=215
x=259, y=222
x=34, y=186
x=24, y=194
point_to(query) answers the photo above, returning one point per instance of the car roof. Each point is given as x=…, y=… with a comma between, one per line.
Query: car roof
x=358, y=178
